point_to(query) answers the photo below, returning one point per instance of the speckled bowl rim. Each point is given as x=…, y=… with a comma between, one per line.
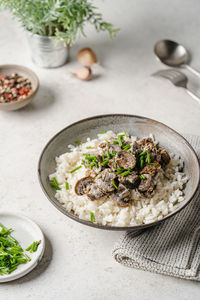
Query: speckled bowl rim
x=106, y=227
x=30, y=71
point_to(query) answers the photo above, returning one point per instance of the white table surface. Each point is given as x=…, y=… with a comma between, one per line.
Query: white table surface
x=77, y=263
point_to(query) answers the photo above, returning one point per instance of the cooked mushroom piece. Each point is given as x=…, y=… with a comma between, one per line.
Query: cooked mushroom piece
x=112, y=148
x=147, y=186
x=147, y=144
x=151, y=169
x=121, y=196
x=104, y=181
x=83, y=185
x=95, y=192
x=131, y=181
x=165, y=158
x=136, y=149
x=125, y=160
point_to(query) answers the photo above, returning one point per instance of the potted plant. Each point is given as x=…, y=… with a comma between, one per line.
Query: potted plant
x=52, y=26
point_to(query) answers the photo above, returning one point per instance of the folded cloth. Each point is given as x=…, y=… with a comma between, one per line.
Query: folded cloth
x=171, y=248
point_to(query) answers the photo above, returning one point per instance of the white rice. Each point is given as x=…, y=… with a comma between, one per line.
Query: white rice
x=169, y=191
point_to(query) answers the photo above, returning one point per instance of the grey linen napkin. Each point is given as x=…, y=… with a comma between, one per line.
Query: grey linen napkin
x=171, y=248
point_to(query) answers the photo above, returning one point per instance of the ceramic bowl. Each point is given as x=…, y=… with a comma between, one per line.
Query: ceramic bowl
x=23, y=71
x=133, y=125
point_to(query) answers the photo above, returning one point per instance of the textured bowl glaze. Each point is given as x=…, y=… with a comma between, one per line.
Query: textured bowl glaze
x=133, y=125
x=25, y=72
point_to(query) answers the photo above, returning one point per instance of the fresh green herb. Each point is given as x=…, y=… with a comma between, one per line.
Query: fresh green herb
x=148, y=158
x=91, y=158
x=108, y=154
x=119, y=171
x=126, y=147
x=33, y=247
x=126, y=135
x=120, y=140
x=113, y=183
x=143, y=153
x=83, y=162
x=61, y=20
x=114, y=153
x=11, y=253
x=115, y=142
x=67, y=185
x=141, y=162
x=54, y=184
x=103, y=158
x=102, y=132
x=88, y=147
x=78, y=142
x=104, y=162
x=115, y=165
x=107, y=142
x=125, y=173
x=90, y=165
x=92, y=217
x=142, y=177
x=74, y=170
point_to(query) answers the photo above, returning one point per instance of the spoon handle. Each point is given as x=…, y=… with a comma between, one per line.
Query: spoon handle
x=192, y=70
x=194, y=93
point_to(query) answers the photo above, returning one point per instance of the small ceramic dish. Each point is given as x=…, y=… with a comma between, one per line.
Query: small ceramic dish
x=25, y=72
x=133, y=125
x=25, y=231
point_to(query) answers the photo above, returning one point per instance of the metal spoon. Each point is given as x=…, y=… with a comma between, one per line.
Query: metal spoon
x=173, y=54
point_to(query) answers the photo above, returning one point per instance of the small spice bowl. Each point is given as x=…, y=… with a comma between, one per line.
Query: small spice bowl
x=25, y=72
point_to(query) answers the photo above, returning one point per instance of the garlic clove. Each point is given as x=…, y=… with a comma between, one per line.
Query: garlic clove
x=86, y=56
x=84, y=73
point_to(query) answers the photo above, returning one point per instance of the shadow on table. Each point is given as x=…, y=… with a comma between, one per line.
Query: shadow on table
x=42, y=266
x=44, y=99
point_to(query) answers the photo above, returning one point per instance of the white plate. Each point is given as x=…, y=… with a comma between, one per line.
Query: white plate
x=25, y=232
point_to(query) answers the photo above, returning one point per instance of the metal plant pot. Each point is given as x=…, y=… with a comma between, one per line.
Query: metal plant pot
x=46, y=52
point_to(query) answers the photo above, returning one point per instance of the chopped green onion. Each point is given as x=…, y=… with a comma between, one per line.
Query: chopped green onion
x=103, y=158
x=74, y=170
x=148, y=158
x=92, y=217
x=83, y=162
x=115, y=165
x=104, y=162
x=142, y=177
x=120, y=137
x=90, y=165
x=126, y=147
x=115, y=142
x=114, y=153
x=141, y=162
x=67, y=185
x=54, y=184
x=107, y=141
x=108, y=154
x=88, y=147
x=126, y=135
x=143, y=153
x=113, y=183
x=125, y=173
x=11, y=253
x=33, y=247
x=102, y=132
x=91, y=158
x=78, y=142
x=119, y=171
